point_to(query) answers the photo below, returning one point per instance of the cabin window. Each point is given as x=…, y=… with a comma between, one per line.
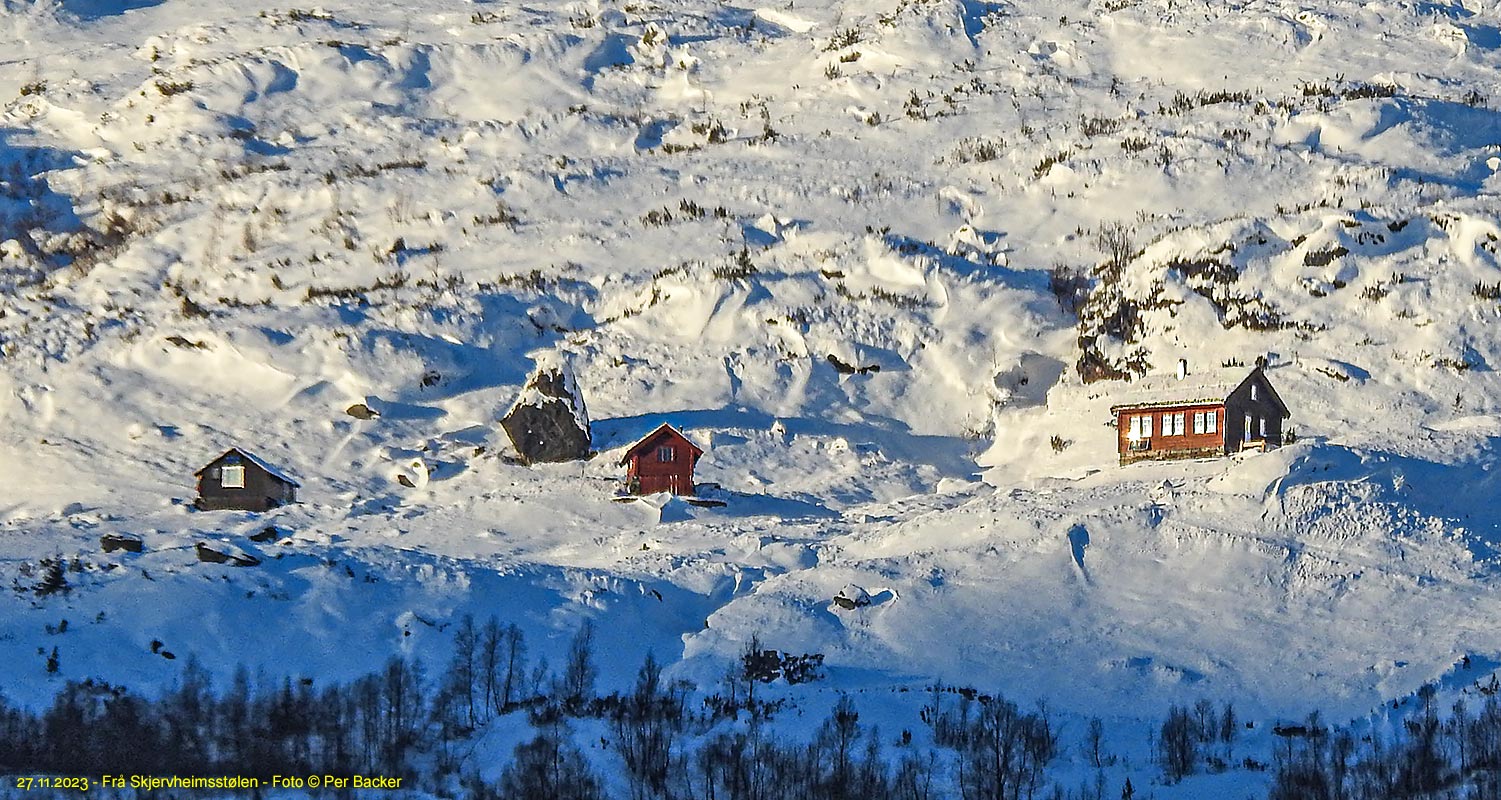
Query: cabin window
x=1134, y=432
x=1211, y=421
x=1146, y=427
x=1198, y=422
x=1178, y=420
x=1246, y=431
x=1263, y=427
x=1253, y=391
x=232, y=477
x=665, y=454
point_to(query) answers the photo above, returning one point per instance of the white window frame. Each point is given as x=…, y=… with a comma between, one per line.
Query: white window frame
x=237, y=470
x=1179, y=423
x=1263, y=427
x=1253, y=391
x=1211, y=421
x=1198, y=423
x=666, y=454
x=1146, y=426
x=1246, y=433
x=1133, y=427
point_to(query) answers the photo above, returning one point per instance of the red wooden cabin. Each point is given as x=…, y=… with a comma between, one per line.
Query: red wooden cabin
x=662, y=461
x=1197, y=416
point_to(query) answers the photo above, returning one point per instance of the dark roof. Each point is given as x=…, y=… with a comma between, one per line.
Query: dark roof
x=1211, y=386
x=1272, y=391
x=252, y=458
x=642, y=442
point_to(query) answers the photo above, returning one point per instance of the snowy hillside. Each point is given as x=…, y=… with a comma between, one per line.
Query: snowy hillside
x=857, y=251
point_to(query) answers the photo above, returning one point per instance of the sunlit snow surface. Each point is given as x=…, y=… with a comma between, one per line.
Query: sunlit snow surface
x=224, y=224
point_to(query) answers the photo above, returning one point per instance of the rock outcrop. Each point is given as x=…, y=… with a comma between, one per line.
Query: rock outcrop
x=549, y=422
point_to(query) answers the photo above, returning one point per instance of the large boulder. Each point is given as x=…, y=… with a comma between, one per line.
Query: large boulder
x=548, y=422
x=224, y=553
x=852, y=597
x=361, y=411
x=130, y=543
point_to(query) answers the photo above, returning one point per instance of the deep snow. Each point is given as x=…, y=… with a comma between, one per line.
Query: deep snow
x=223, y=225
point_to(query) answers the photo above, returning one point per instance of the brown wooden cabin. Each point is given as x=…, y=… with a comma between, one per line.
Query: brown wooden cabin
x=1197, y=416
x=662, y=461
x=239, y=481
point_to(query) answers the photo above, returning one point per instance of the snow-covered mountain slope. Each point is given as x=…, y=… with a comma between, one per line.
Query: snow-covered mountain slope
x=224, y=225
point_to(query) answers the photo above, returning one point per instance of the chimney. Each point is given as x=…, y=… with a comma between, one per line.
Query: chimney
x=1182, y=368
x=1261, y=362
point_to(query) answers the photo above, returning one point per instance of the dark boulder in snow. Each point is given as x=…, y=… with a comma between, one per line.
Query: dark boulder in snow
x=852, y=597
x=224, y=553
x=361, y=411
x=548, y=422
x=845, y=368
x=121, y=541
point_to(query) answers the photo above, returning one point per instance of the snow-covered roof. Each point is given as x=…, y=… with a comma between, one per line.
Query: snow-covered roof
x=1207, y=386
x=643, y=440
x=254, y=459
